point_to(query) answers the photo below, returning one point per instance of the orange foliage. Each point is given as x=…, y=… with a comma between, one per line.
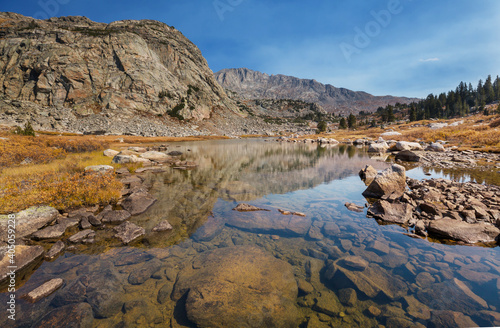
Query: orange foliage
x=61, y=190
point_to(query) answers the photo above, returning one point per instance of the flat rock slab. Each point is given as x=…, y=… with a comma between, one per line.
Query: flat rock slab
x=463, y=231
x=372, y=281
x=138, y=202
x=81, y=236
x=115, y=216
x=44, y=290
x=128, y=232
x=240, y=286
x=270, y=223
x=50, y=232
x=29, y=221
x=25, y=257
x=209, y=230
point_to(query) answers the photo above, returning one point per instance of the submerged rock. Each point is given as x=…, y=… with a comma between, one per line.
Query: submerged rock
x=71, y=316
x=162, y=226
x=450, y=319
x=270, y=223
x=353, y=207
x=44, y=290
x=247, y=208
x=128, y=232
x=239, y=286
x=463, y=231
x=138, y=202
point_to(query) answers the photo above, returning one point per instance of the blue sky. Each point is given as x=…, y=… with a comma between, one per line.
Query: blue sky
x=398, y=47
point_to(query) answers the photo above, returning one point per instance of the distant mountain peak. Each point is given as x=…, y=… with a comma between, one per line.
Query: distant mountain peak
x=251, y=84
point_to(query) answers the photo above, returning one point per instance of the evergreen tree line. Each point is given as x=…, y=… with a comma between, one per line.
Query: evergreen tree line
x=458, y=103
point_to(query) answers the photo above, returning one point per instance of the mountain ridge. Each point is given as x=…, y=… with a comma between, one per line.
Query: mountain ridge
x=252, y=84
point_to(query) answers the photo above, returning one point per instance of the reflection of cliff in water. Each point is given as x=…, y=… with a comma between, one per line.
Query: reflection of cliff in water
x=240, y=170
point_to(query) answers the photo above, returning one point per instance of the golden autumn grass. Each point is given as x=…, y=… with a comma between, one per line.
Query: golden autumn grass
x=55, y=176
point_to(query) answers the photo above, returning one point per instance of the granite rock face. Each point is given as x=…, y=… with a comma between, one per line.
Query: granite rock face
x=95, y=71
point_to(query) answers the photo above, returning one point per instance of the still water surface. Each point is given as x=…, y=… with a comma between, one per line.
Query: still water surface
x=351, y=270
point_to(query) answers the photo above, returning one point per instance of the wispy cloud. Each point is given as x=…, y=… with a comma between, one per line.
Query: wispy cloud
x=435, y=59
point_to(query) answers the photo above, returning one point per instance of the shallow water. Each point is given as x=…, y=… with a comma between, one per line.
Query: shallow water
x=406, y=279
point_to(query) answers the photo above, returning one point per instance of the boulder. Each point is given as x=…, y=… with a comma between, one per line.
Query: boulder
x=44, y=290
x=100, y=169
x=25, y=257
x=138, y=149
x=124, y=159
x=175, y=153
x=390, y=133
x=379, y=147
x=437, y=147
x=29, y=221
x=270, y=223
x=405, y=145
x=391, y=181
x=155, y=156
x=401, y=213
x=128, y=232
x=408, y=156
x=240, y=286
x=463, y=231
x=138, y=202
x=367, y=174
x=110, y=153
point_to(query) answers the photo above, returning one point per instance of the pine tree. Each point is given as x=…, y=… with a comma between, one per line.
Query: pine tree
x=351, y=121
x=342, y=124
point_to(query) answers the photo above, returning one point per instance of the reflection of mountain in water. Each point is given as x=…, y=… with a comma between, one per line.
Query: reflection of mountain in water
x=241, y=170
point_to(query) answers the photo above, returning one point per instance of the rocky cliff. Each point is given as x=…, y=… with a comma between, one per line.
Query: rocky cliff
x=256, y=85
x=70, y=73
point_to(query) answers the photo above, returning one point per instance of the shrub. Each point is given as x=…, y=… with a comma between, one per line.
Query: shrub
x=61, y=190
x=27, y=131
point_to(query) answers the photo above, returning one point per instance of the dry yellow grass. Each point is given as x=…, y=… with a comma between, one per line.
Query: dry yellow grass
x=55, y=176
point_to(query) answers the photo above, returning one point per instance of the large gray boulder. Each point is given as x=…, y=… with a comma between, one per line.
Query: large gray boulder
x=391, y=181
x=408, y=156
x=391, y=212
x=367, y=174
x=239, y=286
x=379, y=147
x=29, y=221
x=463, y=231
x=155, y=156
x=406, y=145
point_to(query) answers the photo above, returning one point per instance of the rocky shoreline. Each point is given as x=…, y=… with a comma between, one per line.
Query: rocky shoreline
x=71, y=229
x=468, y=213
